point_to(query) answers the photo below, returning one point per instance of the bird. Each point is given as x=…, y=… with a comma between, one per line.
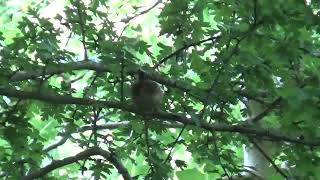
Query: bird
x=146, y=93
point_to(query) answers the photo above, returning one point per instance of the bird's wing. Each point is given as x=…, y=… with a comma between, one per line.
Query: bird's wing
x=135, y=90
x=150, y=87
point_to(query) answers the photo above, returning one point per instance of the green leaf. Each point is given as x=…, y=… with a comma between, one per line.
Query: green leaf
x=191, y=174
x=137, y=126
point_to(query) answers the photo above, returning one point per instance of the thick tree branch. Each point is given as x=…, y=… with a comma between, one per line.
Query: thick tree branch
x=82, y=155
x=60, y=68
x=114, y=125
x=99, y=67
x=242, y=129
x=59, y=99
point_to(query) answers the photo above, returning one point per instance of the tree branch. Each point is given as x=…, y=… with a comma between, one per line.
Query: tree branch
x=99, y=67
x=242, y=129
x=82, y=28
x=60, y=68
x=174, y=144
x=266, y=111
x=60, y=99
x=213, y=38
x=80, y=156
x=55, y=145
x=268, y=158
x=114, y=125
x=128, y=19
x=111, y=125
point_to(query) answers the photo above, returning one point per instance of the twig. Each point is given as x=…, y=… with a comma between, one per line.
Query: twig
x=146, y=134
x=213, y=38
x=82, y=29
x=216, y=79
x=268, y=158
x=68, y=39
x=55, y=145
x=93, y=133
x=219, y=158
x=66, y=136
x=225, y=62
x=122, y=80
x=255, y=14
x=128, y=19
x=110, y=125
x=174, y=144
x=266, y=111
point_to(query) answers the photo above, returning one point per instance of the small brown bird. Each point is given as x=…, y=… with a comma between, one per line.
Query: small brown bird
x=146, y=94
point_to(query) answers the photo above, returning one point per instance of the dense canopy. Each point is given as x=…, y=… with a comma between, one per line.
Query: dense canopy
x=233, y=73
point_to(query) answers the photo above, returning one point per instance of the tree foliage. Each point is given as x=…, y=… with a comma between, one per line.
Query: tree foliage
x=67, y=67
